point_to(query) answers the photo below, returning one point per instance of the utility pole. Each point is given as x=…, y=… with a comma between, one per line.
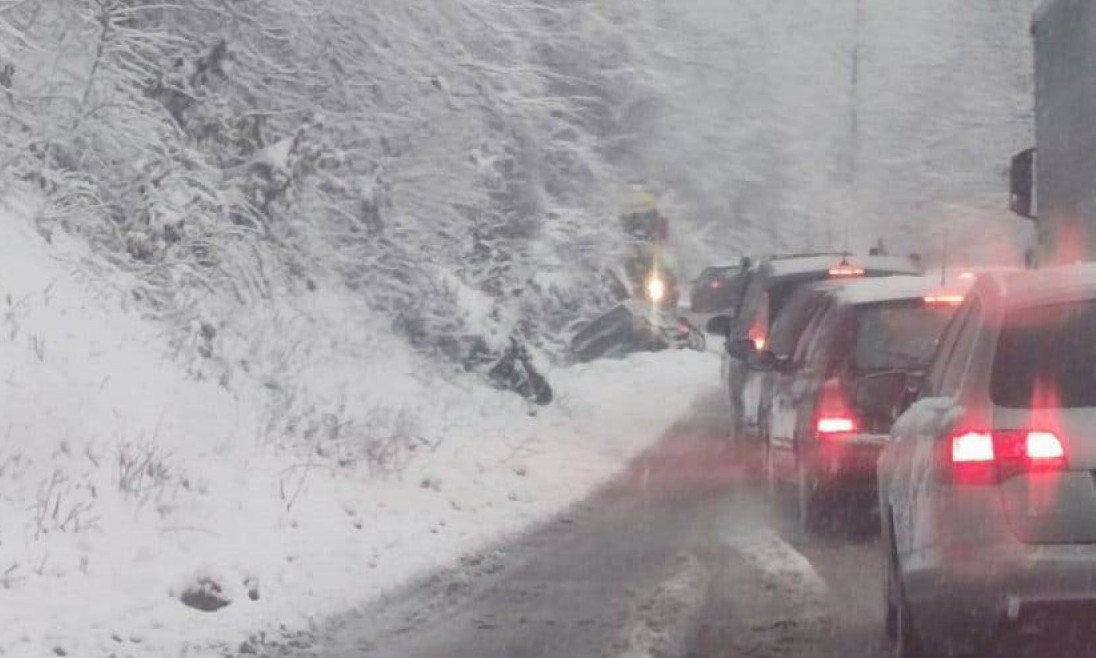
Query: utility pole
x=854, y=112
x=854, y=94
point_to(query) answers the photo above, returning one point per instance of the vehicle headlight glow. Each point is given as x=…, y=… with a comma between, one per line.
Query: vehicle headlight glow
x=656, y=289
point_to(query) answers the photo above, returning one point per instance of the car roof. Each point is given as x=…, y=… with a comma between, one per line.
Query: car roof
x=892, y=288
x=1048, y=285
x=811, y=264
x=712, y=269
x=807, y=254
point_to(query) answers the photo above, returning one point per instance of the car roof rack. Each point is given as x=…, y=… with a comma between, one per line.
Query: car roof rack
x=809, y=254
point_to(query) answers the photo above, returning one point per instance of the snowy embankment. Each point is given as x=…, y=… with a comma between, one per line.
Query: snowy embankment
x=126, y=485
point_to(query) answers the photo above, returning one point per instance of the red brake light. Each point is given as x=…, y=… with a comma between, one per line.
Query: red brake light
x=1043, y=446
x=835, y=425
x=715, y=283
x=846, y=270
x=835, y=415
x=972, y=447
x=944, y=299
x=991, y=457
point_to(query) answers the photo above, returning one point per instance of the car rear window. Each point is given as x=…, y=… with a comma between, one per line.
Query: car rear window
x=781, y=292
x=792, y=320
x=898, y=335
x=1046, y=357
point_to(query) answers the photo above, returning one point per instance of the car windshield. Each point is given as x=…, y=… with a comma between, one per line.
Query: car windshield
x=899, y=335
x=1046, y=357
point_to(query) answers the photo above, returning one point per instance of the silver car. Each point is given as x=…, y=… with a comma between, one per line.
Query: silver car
x=987, y=490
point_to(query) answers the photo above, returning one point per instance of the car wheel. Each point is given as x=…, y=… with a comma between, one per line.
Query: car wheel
x=808, y=508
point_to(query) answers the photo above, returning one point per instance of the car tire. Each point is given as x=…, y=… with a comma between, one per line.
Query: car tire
x=808, y=508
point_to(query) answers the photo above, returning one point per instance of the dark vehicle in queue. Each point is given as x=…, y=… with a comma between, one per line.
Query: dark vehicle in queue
x=986, y=490
x=832, y=399
x=771, y=284
x=718, y=289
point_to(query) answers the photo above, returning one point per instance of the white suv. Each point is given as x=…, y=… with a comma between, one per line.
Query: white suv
x=987, y=490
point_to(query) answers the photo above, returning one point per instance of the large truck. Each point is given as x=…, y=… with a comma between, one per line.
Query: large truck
x=1055, y=182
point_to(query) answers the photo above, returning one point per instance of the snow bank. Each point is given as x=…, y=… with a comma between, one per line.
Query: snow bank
x=125, y=483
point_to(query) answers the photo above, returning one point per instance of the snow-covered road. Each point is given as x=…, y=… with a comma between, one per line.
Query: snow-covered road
x=680, y=556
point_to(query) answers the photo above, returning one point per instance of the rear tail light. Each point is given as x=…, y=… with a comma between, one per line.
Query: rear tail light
x=944, y=299
x=715, y=284
x=992, y=457
x=757, y=335
x=846, y=270
x=1043, y=446
x=835, y=425
x=835, y=415
x=972, y=448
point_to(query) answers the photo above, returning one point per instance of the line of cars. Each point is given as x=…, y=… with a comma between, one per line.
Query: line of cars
x=962, y=409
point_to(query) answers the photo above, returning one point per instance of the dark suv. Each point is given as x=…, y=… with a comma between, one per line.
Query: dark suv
x=769, y=287
x=827, y=413
x=718, y=289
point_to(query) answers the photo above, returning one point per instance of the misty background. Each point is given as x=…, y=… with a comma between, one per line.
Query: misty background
x=756, y=138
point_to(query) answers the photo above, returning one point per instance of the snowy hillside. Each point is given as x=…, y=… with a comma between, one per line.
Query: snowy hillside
x=126, y=483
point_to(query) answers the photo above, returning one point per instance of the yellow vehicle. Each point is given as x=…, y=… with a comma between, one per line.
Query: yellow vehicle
x=646, y=269
x=641, y=217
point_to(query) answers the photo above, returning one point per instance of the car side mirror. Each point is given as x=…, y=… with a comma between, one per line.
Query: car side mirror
x=914, y=381
x=761, y=361
x=767, y=361
x=1022, y=190
x=881, y=395
x=720, y=324
x=741, y=348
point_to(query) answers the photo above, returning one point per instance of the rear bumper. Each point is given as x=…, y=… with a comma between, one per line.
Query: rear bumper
x=849, y=460
x=962, y=608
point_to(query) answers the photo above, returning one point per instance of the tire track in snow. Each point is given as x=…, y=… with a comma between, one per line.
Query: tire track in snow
x=781, y=568
x=765, y=598
x=661, y=619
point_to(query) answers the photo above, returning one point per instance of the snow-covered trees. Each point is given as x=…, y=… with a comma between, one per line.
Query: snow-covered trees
x=405, y=149
x=457, y=165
